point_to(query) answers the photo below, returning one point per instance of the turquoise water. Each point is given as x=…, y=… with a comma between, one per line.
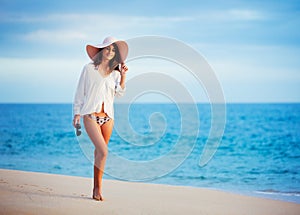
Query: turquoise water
x=259, y=153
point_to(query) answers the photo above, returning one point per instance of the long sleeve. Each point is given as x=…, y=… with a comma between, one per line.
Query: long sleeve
x=80, y=93
x=119, y=92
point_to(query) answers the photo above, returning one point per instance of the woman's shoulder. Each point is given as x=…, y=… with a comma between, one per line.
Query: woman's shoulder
x=89, y=66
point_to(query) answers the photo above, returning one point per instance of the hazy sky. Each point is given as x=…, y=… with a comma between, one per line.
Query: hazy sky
x=253, y=46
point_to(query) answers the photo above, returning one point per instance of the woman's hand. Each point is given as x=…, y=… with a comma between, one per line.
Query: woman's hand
x=76, y=120
x=124, y=69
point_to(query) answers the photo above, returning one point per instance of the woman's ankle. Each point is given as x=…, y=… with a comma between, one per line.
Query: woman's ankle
x=96, y=190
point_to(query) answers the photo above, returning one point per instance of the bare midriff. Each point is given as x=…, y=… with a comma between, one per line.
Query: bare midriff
x=101, y=113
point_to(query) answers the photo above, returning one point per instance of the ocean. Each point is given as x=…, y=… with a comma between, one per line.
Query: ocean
x=259, y=153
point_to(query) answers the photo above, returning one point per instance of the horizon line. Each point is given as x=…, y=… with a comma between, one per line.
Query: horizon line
x=120, y=103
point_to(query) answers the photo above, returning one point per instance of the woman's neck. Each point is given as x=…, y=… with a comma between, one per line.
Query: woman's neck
x=104, y=68
x=104, y=65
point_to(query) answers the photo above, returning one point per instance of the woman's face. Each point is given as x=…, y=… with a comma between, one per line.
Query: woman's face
x=109, y=52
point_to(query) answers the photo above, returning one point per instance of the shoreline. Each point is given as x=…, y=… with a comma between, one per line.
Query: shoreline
x=267, y=194
x=292, y=197
x=36, y=193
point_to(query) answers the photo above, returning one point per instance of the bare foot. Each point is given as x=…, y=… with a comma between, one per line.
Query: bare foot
x=96, y=195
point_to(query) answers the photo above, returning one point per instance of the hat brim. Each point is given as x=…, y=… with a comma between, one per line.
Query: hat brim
x=122, y=46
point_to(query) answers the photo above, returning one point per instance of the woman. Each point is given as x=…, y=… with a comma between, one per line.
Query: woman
x=99, y=82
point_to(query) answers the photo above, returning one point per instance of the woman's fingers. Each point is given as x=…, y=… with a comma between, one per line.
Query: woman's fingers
x=76, y=120
x=124, y=68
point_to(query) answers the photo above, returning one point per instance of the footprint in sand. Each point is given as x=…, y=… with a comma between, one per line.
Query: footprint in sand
x=49, y=189
x=43, y=191
x=31, y=185
x=3, y=181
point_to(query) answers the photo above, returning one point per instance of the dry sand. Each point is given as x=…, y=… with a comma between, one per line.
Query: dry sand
x=39, y=193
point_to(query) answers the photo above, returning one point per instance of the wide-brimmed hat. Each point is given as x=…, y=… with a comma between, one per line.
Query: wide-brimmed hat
x=122, y=46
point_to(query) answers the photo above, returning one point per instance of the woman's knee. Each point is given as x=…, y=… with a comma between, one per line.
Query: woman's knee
x=101, y=153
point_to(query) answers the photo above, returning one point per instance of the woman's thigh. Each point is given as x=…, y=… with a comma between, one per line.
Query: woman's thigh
x=95, y=133
x=106, y=130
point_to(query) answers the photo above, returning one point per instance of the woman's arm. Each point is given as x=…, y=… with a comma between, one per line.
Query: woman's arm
x=123, y=71
x=120, y=82
x=79, y=98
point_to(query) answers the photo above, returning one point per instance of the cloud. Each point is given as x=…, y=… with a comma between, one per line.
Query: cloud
x=39, y=80
x=57, y=36
x=245, y=14
x=230, y=15
x=129, y=20
x=91, y=18
x=77, y=27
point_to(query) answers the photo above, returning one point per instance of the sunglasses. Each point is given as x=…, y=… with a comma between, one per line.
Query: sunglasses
x=78, y=127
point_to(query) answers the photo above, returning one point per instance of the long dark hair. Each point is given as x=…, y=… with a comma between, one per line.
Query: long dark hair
x=113, y=63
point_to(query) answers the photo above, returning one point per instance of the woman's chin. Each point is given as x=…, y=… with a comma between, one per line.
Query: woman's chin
x=108, y=57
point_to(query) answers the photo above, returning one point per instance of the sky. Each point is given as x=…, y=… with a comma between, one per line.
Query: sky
x=252, y=46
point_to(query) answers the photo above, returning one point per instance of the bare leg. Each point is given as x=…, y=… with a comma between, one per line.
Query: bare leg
x=100, y=137
x=106, y=131
x=94, y=132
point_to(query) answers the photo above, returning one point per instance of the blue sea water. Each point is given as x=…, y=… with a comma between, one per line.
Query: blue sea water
x=259, y=153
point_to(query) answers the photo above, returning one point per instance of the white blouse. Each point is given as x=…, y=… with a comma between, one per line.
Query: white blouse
x=93, y=89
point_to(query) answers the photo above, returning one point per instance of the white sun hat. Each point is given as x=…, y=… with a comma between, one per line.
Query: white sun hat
x=122, y=46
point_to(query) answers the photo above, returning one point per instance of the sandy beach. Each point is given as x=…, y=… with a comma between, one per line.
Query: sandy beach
x=40, y=193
